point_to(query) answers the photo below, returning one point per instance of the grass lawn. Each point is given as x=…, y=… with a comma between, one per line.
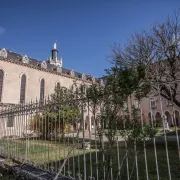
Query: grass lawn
x=172, y=132
x=151, y=163
x=39, y=151
x=159, y=132
x=51, y=154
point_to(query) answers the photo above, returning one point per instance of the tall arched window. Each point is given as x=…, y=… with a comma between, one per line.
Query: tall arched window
x=42, y=83
x=23, y=88
x=1, y=83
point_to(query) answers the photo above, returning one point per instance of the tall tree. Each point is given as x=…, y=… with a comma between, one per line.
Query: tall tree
x=154, y=56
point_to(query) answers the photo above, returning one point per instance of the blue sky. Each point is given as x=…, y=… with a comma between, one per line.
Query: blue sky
x=84, y=29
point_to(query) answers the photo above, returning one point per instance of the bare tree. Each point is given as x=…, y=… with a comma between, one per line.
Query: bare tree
x=155, y=54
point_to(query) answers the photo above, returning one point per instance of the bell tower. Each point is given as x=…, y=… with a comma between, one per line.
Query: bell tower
x=54, y=55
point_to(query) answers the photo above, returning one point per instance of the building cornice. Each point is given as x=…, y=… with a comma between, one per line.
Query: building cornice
x=42, y=69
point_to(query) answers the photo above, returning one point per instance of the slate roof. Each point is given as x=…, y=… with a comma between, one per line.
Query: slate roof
x=17, y=57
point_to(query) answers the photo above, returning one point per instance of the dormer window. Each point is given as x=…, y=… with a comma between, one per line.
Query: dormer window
x=72, y=73
x=43, y=65
x=25, y=59
x=59, y=69
x=3, y=53
x=93, y=80
x=83, y=76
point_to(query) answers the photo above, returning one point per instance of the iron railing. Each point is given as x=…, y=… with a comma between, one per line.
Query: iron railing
x=68, y=138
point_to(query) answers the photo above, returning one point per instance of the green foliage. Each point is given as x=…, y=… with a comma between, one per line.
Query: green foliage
x=122, y=83
x=61, y=111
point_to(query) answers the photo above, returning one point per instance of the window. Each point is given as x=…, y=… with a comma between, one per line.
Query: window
x=83, y=76
x=136, y=104
x=3, y=53
x=169, y=103
x=1, y=83
x=25, y=59
x=43, y=65
x=42, y=83
x=72, y=73
x=10, y=120
x=59, y=69
x=23, y=88
x=153, y=103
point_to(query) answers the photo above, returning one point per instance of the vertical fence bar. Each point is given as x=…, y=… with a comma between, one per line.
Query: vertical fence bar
x=19, y=129
x=55, y=133
x=118, y=175
x=26, y=134
x=27, y=129
x=45, y=134
x=79, y=167
x=59, y=121
x=126, y=147
x=73, y=155
x=2, y=133
x=30, y=129
x=154, y=139
x=144, y=142
x=84, y=153
x=11, y=140
x=12, y=132
x=19, y=132
x=64, y=145
x=48, y=135
x=166, y=146
x=6, y=139
x=51, y=138
x=135, y=140
x=73, y=120
x=68, y=134
x=39, y=128
x=95, y=128
x=90, y=155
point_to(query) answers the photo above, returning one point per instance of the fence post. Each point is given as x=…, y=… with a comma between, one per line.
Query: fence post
x=84, y=156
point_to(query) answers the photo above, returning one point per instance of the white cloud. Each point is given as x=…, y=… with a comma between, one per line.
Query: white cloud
x=2, y=30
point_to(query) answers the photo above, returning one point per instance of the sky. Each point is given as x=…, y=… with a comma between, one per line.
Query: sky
x=83, y=29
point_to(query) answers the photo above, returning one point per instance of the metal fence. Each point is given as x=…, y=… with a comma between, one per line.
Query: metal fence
x=68, y=138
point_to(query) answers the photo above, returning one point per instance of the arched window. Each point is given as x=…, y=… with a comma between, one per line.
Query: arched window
x=42, y=83
x=23, y=88
x=1, y=83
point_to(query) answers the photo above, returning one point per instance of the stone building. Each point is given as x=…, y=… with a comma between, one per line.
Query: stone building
x=24, y=79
